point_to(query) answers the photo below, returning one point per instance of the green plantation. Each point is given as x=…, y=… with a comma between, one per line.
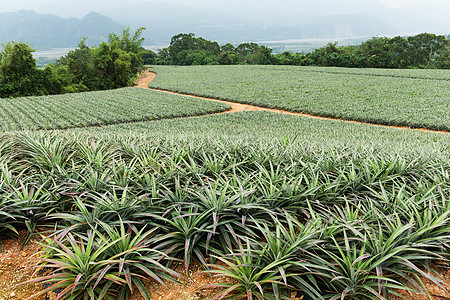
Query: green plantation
x=99, y=108
x=415, y=98
x=124, y=186
x=334, y=223
x=269, y=128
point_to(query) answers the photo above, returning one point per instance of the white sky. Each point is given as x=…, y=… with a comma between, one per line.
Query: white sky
x=9, y=5
x=400, y=3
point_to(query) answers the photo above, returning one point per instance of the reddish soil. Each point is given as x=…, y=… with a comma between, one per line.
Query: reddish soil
x=147, y=76
x=17, y=265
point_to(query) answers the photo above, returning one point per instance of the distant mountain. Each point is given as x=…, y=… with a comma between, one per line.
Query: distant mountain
x=234, y=21
x=163, y=20
x=51, y=31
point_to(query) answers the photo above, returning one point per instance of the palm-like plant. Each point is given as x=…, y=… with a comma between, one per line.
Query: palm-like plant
x=134, y=258
x=187, y=234
x=49, y=153
x=105, y=263
x=76, y=268
x=31, y=206
x=289, y=242
x=251, y=277
x=349, y=271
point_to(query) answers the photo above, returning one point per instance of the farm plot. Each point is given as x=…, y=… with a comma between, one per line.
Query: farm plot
x=286, y=203
x=269, y=127
x=345, y=224
x=393, y=97
x=98, y=108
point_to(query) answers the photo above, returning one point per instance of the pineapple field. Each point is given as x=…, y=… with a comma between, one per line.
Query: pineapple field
x=118, y=194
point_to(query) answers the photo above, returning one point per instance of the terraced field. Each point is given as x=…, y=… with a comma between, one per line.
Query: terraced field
x=395, y=97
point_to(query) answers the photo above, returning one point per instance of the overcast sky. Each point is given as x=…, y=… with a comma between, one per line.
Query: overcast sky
x=379, y=17
x=400, y=3
x=81, y=7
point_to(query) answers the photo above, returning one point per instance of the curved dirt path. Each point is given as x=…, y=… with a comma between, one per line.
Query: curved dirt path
x=147, y=77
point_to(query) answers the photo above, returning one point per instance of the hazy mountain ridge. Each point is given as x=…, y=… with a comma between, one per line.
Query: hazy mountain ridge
x=233, y=21
x=163, y=20
x=48, y=31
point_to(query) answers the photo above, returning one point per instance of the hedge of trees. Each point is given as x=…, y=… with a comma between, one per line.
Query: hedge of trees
x=116, y=63
x=424, y=50
x=186, y=49
x=111, y=64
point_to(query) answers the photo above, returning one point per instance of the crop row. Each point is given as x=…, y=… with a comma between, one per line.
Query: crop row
x=98, y=108
x=341, y=224
x=269, y=128
x=366, y=95
x=430, y=74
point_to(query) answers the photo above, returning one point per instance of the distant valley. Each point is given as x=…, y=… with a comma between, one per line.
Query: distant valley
x=233, y=22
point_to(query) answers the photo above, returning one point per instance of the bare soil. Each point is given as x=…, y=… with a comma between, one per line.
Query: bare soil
x=18, y=265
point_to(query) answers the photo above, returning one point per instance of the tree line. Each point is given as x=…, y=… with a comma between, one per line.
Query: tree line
x=109, y=65
x=116, y=63
x=186, y=49
x=424, y=50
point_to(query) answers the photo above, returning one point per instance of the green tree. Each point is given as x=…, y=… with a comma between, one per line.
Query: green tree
x=178, y=43
x=195, y=57
x=126, y=42
x=163, y=57
x=18, y=73
x=262, y=56
x=287, y=58
x=78, y=68
x=149, y=57
x=185, y=49
x=53, y=81
x=245, y=50
x=442, y=59
x=131, y=44
x=399, y=47
x=113, y=66
x=227, y=48
x=321, y=56
x=378, y=53
x=423, y=47
x=228, y=58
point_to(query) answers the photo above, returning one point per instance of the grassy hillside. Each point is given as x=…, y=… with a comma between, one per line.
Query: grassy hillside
x=414, y=98
x=98, y=108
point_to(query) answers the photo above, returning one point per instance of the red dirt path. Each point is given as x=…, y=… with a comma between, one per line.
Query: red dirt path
x=147, y=77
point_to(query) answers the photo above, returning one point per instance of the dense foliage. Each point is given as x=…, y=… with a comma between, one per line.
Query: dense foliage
x=424, y=50
x=87, y=109
x=415, y=98
x=342, y=224
x=111, y=64
x=115, y=63
x=267, y=127
x=186, y=49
